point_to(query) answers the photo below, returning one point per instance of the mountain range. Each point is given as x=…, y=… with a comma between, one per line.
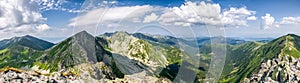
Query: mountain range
x=138, y=57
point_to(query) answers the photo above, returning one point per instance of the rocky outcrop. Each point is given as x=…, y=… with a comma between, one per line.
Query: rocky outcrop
x=141, y=77
x=12, y=75
x=283, y=69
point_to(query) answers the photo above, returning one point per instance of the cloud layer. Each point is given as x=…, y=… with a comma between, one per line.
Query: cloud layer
x=290, y=20
x=115, y=14
x=20, y=16
x=190, y=13
x=269, y=21
x=206, y=14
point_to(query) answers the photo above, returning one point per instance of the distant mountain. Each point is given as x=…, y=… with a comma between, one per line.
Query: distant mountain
x=21, y=51
x=141, y=46
x=157, y=55
x=220, y=40
x=145, y=49
x=167, y=40
x=27, y=41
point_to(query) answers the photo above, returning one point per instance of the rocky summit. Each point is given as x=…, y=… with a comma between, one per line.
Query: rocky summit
x=13, y=75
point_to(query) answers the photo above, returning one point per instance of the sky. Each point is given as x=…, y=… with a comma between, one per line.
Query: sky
x=55, y=20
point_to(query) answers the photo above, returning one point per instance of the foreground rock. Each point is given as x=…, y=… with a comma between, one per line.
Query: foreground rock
x=141, y=78
x=278, y=70
x=13, y=75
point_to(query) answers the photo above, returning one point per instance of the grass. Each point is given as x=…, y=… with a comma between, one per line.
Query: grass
x=251, y=59
x=3, y=51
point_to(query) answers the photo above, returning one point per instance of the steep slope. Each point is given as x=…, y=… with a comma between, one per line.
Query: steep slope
x=282, y=67
x=84, y=55
x=21, y=51
x=142, y=47
x=100, y=58
x=148, y=53
x=80, y=48
x=285, y=46
x=27, y=41
x=154, y=55
x=18, y=56
x=237, y=59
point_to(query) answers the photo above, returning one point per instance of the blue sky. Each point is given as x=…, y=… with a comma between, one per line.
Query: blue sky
x=55, y=20
x=278, y=8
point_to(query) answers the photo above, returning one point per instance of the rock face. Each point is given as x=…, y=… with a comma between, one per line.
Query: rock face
x=143, y=78
x=135, y=53
x=83, y=53
x=94, y=73
x=284, y=69
x=80, y=48
x=12, y=75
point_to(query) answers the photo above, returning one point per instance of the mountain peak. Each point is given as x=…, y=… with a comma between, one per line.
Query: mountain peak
x=122, y=32
x=82, y=33
x=285, y=45
x=291, y=34
x=27, y=41
x=27, y=36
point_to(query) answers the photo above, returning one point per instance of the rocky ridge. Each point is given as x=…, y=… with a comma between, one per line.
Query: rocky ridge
x=284, y=69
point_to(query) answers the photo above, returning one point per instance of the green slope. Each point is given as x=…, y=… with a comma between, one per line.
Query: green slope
x=247, y=58
x=18, y=56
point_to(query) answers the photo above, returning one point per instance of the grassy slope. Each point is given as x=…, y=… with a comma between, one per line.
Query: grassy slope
x=251, y=63
x=18, y=56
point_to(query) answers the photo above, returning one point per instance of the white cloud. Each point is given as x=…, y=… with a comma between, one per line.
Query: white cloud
x=290, y=20
x=251, y=18
x=205, y=13
x=202, y=13
x=150, y=18
x=49, y=4
x=114, y=14
x=190, y=13
x=20, y=16
x=187, y=14
x=236, y=16
x=42, y=27
x=267, y=21
x=45, y=5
